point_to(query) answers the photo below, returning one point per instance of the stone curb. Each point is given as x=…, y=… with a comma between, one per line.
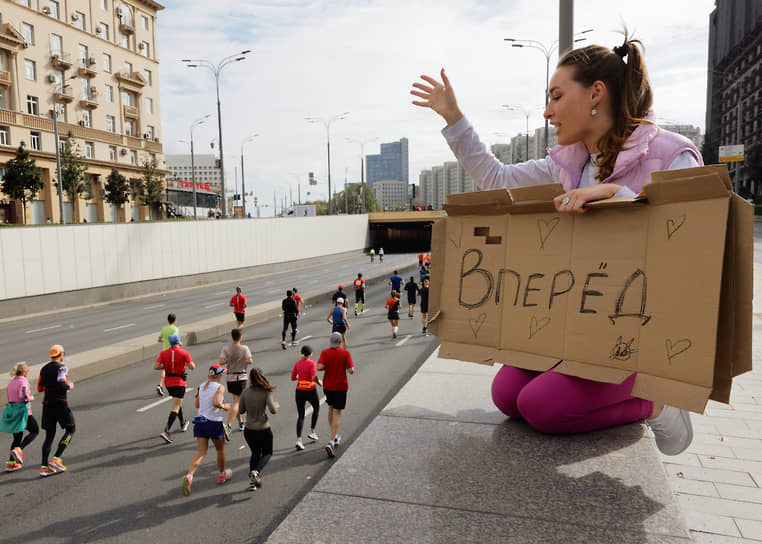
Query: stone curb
x=92, y=363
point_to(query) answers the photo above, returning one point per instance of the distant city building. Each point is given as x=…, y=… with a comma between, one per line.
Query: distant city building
x=207, y=169
x=689, y=131
x=390, y=164
x=440, y=181
x=734, y=90
x=180, y=182
x=390, y=193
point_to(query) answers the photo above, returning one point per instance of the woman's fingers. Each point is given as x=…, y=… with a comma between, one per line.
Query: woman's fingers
x=431, y=81
x=423, y=87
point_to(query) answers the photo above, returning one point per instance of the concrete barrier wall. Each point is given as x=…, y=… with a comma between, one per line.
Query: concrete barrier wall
x=52, y=259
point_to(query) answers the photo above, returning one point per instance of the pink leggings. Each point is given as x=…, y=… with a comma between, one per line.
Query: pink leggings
x=555, y=403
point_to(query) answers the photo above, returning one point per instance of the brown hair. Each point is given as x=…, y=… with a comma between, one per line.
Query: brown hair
x=257, y=379
x=628, y=87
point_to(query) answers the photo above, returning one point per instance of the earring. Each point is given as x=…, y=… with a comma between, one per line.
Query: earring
x=594, y=112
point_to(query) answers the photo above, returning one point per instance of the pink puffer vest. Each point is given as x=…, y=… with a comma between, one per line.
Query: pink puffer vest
x=647, y=150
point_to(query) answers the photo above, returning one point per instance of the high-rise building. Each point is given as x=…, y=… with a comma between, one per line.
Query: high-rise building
x=443, y=180
x=95, y=64
x=734, y=89
x=390, y=193
x=390, y=164
x=689, y=131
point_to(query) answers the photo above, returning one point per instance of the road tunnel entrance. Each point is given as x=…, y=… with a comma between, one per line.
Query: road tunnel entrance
x=402, y=232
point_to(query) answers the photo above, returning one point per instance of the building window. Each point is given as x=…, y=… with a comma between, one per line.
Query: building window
x=109, y=93
x=30, y=70
x=112, y=153
x=144, y=49
x=103, y=27
x=79, y=20
x=152, y=158
x=53, y=8
x=133, y=157
x=149, y=105
x=85, y=85
x=4, y=139
x=61, y=112
x=83, y=56
x=125, y=40
x=128, y=68
x=104, y=4
x=32, y=105
x=27, y=31
x=110, y=123
x=62, y=141
x=147, y=74
x=129, y=128
x=89, y=152
x=34, y=141
x=2, y=98
x=127, y=98
x=106, y=62
x=56, y=45
x=144, y=20
x=87, y=119
x=149, y=132
x=27, y=3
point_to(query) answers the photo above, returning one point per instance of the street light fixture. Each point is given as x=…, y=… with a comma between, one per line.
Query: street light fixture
x=362, y=168
x=547, y=52
x=216, y=70
x=327, y=124
x=243, y=184
x=60, y=86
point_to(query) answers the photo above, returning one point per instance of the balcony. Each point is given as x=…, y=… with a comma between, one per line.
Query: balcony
x=90, y=101
x=135, y=79
x=60, y=61
x=130, y=111
x=126, y=28
x=5, y=78
x=86, y=68
x=63, y=96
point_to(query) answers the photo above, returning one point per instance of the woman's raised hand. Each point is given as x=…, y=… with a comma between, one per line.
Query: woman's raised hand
x=439, y=97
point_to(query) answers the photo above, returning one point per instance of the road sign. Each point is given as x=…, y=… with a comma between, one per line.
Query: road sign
x=731, y=153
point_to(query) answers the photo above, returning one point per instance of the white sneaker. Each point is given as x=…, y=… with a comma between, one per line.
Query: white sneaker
x=299, y=445
x=337, y=440
x=313, y=436
x=672, y=429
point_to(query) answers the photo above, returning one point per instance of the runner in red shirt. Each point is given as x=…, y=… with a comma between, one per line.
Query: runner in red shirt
x=238, y=302
x=176, y=362
x=335, y=362
x=359, y=284
x=420, y=260
x=393, y=305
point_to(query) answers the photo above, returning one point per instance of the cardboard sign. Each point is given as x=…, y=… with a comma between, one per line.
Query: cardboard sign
x=660, y=285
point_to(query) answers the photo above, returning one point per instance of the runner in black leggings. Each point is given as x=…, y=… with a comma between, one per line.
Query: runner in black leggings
x=305, y=376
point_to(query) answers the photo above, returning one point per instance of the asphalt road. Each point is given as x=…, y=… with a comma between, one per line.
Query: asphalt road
x=28, y=339
x=123, y=481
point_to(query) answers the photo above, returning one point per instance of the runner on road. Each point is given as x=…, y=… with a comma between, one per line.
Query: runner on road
x=340, y=294
x=393, y=305
x=207, y=425
x=335, y=362
x=17, y=416
x=359, y=284
x=372, y=255
x=176, y=362
x=256, y=400
x=381, y=255
x=412, y=290
x=238, y=302
x=54, y=382
x=338, y=318
x=420, y=260
x=305, y=376
x=424, y=294
x=396, y=281
x=169, y=329
x=237, y=357
x=290, y=311
x=299, y=302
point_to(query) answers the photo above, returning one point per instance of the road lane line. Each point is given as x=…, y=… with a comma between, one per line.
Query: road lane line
x=303, y=338
x=308, y=411
x=161, y=401
x=119, y=327
x=213, y=305
x=154, y=306
x=404, y=340
x=42, y=329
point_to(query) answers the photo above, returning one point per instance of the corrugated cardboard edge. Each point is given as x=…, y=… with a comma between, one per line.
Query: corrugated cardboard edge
x=489, y=356
x=687, y=396
x=535, y=198
x=495, y=202
x=438, y=240
x=595, y=373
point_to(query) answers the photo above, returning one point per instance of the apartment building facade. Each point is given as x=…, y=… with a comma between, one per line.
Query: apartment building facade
x=442, y=180
x=94, y=65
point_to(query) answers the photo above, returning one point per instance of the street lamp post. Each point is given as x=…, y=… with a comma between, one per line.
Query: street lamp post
x=243, y=184
x=216, y=70
x=526, y=113
x=195, y=123
x=327, y=124
x=362, y=168
x=59, y=88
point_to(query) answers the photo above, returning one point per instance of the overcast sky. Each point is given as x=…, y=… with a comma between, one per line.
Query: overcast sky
x=325, y=57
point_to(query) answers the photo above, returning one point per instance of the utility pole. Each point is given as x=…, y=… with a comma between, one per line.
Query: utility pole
x=565, y=25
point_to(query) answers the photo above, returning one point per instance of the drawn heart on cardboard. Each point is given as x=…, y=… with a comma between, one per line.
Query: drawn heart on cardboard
x=673, y=226
x=675, y=349
x=545, y=229
x=536, y=325
x=477, y=323
x=455, y=237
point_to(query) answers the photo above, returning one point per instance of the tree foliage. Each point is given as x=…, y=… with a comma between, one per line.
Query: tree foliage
x=73, y=170
x=149, y=188
x=710, y=150
x=353, y=199
x=117, y=188
x=22, y=180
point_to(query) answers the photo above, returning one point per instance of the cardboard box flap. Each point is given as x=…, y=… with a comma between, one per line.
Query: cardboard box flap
x=596, y=373
x=497, y=201
x=535, y=193
x=617, y=202
x=675, y=393
x=695, y=184
x=720, y=169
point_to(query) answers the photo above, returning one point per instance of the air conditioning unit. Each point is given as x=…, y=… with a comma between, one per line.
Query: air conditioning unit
x=155, y=139
x=98, y=30
x=46, y=10
x=141, y=45
x=51, y=78
x=55, y=56
x=146, y=136
x=122, y=151
x=119, y=11
x=91, y=61
x=74, y=17
x=81, y=122
x=25, y=45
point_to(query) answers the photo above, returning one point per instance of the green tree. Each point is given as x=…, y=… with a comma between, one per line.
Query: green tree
x=73, y=171
x=710, y=150
x=150, y=186
x=353, y=198
x=117, y=188
x=23, y=179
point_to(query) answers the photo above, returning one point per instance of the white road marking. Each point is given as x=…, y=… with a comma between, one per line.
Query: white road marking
x=303, y=338
x=221, y=293
x=213, y=305
x=404, y=340
x=161, y=401
x=153, y=306
x=42, y=329
x=119, y=327
x=308, y=411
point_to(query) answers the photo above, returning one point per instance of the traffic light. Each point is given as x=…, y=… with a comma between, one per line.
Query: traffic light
x=312, y=179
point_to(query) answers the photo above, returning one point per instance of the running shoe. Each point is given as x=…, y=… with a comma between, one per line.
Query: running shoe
x=425, y=330
x=299, y=445
x=47, y=471
x=283, y=345
x=313, y=436
x=253, y=480
x=184, y=425
x=187, y=481
x=223, y=477
x=295, y=343
x=12, y=466
x=337, y=440
x=672, y=430
x=18, y=455
x=241, y=426
x=166, y=437
x=394, y=335
x=56, y=464
x=159, y=391
x=228, y=430
x=329, y=450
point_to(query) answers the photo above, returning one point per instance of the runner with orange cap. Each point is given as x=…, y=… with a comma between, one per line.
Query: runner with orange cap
x=54, y=382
